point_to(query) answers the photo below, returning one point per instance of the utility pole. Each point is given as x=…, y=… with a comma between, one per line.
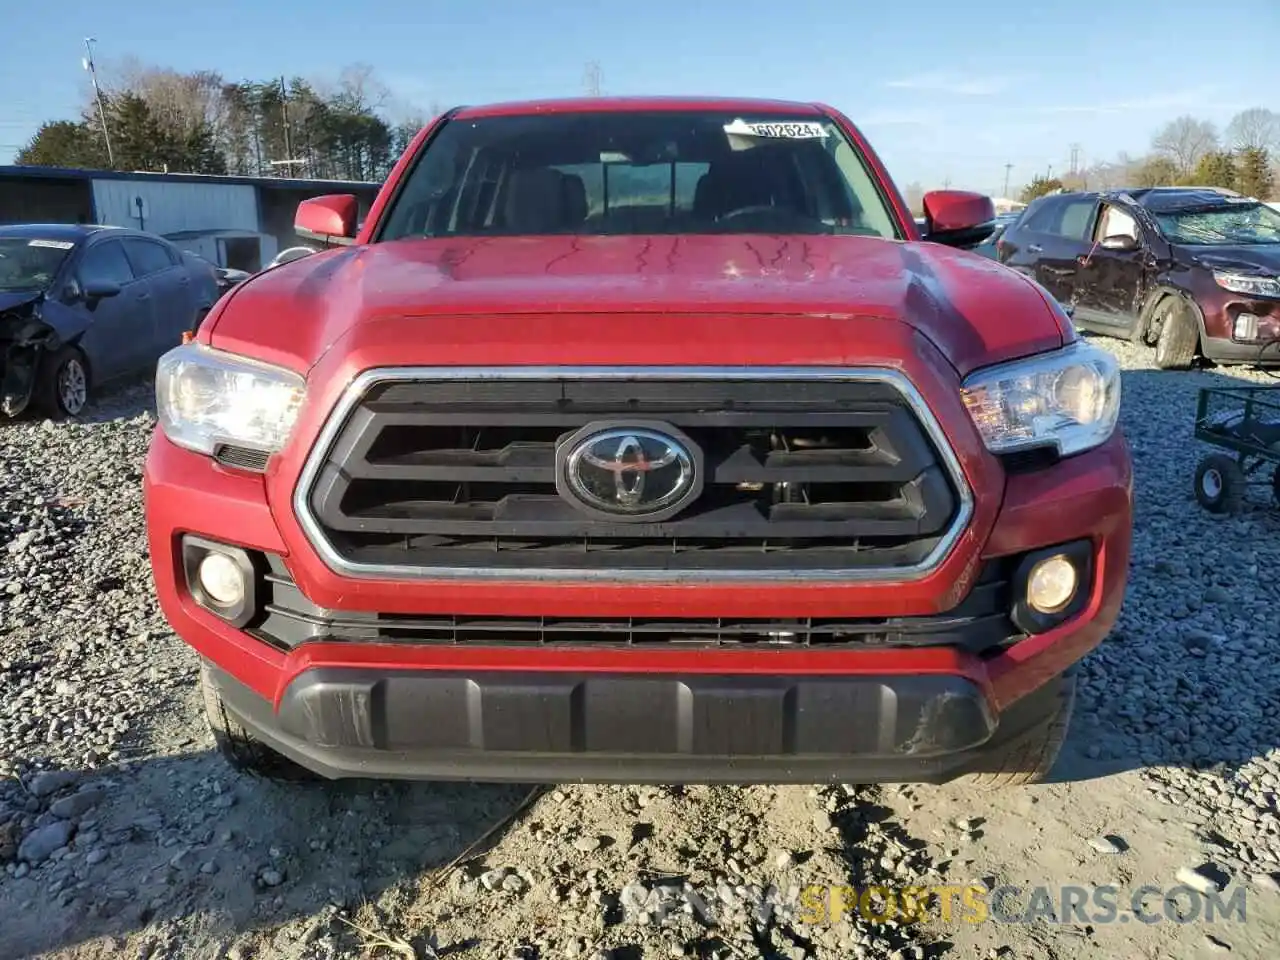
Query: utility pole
x=284, y=118
x=97, y=93
x=1007, y=168
x=591, y=79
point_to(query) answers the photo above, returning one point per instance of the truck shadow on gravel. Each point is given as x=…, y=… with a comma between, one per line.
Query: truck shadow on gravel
x=186, y=838
x=1188, y=678
x=182, y=856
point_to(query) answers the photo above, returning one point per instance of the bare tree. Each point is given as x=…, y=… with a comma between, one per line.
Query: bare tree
x=1184, y=141
x=361, y=90
x=1257, y=128
x=179, y=101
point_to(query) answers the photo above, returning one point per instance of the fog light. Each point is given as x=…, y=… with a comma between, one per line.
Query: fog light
x=221, y=579
x=1246, y=327
x=1051, y=584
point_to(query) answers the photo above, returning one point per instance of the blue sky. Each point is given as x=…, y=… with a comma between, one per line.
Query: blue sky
x=947, y=90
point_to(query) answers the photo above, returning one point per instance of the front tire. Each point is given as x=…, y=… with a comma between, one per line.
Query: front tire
x=63, y=387
x=240, y=748
x=1179, y=337
x=1029, y=758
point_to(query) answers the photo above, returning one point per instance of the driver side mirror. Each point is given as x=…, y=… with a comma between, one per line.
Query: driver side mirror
x=329, y=219
x=1119, y=241
x=958, y=218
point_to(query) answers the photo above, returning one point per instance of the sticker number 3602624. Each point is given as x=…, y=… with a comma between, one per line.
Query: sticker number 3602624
x=790, y=131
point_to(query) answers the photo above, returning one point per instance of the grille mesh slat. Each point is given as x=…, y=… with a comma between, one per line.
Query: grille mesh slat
x=798, y=475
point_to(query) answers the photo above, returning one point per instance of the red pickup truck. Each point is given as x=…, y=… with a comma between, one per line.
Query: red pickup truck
x=640, y=440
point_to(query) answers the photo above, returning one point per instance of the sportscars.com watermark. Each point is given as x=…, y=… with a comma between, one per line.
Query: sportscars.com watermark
x=820, y=905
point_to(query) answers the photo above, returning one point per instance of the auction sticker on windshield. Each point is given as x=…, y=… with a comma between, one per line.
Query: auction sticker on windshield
x=52, y=244
x=788, y=131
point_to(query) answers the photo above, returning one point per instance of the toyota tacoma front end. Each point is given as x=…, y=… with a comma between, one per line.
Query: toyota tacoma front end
x=640, y=440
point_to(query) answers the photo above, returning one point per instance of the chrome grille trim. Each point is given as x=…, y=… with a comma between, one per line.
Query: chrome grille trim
x=359, y=386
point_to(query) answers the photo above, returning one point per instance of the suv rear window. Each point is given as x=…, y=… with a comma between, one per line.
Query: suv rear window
x=629, y=172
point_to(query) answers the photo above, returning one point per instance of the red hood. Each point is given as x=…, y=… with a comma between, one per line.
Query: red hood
x=975, y=311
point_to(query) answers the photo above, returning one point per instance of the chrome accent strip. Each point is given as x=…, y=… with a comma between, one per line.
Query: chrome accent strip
x=361, y=384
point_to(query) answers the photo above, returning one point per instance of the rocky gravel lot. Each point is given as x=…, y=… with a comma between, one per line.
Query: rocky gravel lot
x=123, y=834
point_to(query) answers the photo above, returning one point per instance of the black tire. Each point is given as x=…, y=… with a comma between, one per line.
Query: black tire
x=63, y=386
x=1220, y=484
x=238, y=746
x=1179, y=336
x=1029, y=758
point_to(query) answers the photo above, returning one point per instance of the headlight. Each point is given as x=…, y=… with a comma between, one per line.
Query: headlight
x=1068, y=399
x=206, y=397
x=1248, y=285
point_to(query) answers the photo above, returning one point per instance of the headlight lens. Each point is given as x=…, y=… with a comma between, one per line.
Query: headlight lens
x=206, y=397
x=1068, y=399
x=1248, y=285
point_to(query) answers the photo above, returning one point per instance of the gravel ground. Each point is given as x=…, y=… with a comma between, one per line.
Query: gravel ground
x=123, y=834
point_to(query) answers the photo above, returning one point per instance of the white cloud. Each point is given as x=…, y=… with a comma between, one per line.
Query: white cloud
x=1173, y=101
x=896, y=118
x=951, y=83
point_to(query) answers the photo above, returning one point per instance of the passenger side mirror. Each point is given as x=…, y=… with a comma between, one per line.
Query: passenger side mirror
x=96, y=290
x=958, y=218
x=330, y=219
x=1119, y=241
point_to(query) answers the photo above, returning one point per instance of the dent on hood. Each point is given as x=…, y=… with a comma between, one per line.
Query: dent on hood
x=25, y=336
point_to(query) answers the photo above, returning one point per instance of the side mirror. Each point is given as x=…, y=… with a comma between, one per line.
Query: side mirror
x=1119, y=241
x=330, y=219
x=958, y=218
x=100, y=289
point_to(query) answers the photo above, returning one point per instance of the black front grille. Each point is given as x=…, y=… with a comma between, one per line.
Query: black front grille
x=980, y=623
x=799, y=475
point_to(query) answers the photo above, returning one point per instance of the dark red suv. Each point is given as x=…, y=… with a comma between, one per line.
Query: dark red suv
x=1193, y=271
x=641, y=440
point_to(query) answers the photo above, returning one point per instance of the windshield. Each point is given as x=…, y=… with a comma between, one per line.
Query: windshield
x=1239, y=223
x=639, y=173
x=29, y=263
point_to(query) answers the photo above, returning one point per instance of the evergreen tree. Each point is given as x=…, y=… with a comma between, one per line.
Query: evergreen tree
x=1254, y=174
x=64, y=143
x=1039, y=187
x=1215, y=169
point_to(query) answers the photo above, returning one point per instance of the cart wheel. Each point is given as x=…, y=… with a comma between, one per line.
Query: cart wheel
x=1219, y=484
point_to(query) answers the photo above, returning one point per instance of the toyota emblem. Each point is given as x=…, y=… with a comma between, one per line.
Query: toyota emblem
x=630, y=472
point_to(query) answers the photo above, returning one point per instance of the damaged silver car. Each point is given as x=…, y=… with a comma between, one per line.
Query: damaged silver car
x=81, y=305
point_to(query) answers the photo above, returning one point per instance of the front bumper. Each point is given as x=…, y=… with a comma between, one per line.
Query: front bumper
x=1263, y=352
x=1221, y=309
x=611, y=728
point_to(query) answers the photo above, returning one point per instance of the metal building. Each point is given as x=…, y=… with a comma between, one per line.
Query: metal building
x=239, y=222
